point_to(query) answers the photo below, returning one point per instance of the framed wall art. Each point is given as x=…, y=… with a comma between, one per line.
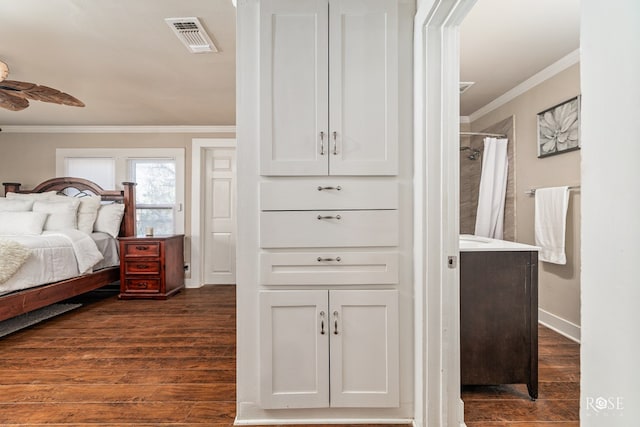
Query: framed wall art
x=559, y=128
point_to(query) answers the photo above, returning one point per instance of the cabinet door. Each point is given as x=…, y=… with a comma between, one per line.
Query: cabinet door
x=364, y=348
x=294, y=87
x=294, y=349
x=363, y=76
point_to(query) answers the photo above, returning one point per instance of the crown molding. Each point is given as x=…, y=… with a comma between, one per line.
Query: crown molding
x=118, y=129
x=547, y=73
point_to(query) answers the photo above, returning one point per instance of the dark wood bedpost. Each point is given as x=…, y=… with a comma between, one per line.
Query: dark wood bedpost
x=11, y=187
x=129, y=220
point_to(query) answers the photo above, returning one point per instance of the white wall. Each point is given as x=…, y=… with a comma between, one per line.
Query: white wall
x=610, y=387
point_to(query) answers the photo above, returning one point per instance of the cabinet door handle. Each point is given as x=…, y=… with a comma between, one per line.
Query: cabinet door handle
x=335, y=143
x=321, y=143
x=335, y=323
x=320, y=188
x=329, y=217
x=322, y=323
x=338, y=259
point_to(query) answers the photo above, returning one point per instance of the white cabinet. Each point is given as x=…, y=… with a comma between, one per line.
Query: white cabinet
x=322, y=229
x=334, y=266
x=294, y=194
x=329, y=87
x=329, y=349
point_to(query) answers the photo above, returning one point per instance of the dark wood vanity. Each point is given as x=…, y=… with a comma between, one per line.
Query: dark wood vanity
x=499, y=318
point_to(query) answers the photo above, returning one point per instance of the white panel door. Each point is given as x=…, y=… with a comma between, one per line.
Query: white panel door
x=294, y=87
x=363, y=76
x=219, y=261
x=364, y=348
x=294, y=349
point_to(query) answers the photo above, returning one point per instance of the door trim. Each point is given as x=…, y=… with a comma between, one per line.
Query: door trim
x=436, y=211
x=198, y=145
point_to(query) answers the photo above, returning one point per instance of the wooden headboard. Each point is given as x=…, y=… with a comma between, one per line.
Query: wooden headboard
x=127, y=196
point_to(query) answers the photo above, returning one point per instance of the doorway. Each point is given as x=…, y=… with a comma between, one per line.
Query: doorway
x=213, y=212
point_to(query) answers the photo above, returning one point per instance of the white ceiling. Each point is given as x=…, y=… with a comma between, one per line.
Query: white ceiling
x=121, y=59
x=505, y=42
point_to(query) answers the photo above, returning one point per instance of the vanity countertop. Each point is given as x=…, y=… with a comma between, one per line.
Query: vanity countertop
x=470, y=243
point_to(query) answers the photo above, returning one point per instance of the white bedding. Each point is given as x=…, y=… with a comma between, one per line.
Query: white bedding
x=56, y=255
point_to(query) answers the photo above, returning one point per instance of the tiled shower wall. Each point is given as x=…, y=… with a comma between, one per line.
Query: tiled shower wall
x=470, y=179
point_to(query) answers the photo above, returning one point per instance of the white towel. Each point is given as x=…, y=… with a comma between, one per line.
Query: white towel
x=551, y=223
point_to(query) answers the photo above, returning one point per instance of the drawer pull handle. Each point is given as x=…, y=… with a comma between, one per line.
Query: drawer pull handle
x=335, y=143
x=143, y=285
x=338, y=259
x=329, y=217
x=322, y=323
x=142, y=248
x=320, y=188
x=322, y=143
x=335, y=323
x=142, y=266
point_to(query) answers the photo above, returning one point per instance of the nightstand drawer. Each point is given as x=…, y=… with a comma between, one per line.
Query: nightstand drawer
x=144, y=285
x=149, y=249
x=151, y=266
x=142, y=267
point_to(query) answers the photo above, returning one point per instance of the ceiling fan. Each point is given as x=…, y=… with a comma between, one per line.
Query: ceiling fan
x=15, y=95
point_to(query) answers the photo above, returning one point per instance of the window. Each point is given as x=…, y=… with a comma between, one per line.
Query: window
x=155, y=194
x=158, y=173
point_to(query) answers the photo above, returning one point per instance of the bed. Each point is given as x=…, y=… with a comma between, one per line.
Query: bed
x=24, y=290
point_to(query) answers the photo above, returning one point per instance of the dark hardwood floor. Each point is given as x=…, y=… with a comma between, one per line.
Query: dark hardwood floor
x=172, y=363
x=558, y=404
x=125, y=363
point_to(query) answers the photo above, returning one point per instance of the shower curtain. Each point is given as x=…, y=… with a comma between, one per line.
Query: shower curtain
x=493, y=189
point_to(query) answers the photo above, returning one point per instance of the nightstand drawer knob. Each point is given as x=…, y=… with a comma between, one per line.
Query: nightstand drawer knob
x=142, y=248
x=142, y=266
x=143, y=285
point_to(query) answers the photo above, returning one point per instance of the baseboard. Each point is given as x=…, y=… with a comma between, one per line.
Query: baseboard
x=323, y=421
x=560, y=325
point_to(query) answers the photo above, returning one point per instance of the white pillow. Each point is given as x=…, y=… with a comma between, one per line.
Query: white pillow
x=22, y=223
x=62, y=213
x=31, y=196
x=109, y=218
x=15, y=205
x=88, y=213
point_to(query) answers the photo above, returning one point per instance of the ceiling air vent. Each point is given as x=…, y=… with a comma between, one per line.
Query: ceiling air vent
x=464, y=86
x=192, y=34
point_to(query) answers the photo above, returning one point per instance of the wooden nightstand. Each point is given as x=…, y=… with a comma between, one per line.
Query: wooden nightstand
x=151, y=267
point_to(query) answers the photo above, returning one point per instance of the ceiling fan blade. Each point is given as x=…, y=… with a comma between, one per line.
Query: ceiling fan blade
x=40, y=93
x=12, y=102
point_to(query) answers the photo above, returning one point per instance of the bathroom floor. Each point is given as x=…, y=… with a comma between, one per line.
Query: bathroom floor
x=559, y=391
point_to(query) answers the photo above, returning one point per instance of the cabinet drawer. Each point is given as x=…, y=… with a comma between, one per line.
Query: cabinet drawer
x=328, y=229
x=142, y=285
x=142, y=267
x=328, y=193
x=329, y=268
x=149, y=249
